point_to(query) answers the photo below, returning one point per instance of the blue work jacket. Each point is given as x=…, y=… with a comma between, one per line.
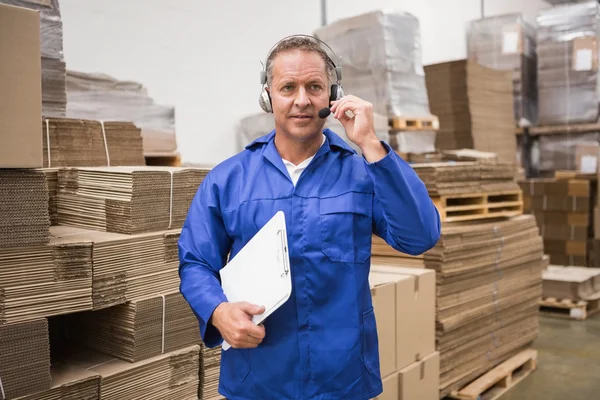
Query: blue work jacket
x=322, y=343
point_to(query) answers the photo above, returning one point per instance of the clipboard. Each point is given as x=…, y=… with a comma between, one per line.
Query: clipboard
x=260, y=271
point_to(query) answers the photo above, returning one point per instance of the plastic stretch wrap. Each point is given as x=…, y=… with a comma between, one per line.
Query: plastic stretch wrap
x=54, y=96
x=557, y=152
x=508, y=43
x=567, y=47
x=381, y=59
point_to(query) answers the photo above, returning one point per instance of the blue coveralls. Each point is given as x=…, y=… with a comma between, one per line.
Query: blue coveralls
x=322, y=343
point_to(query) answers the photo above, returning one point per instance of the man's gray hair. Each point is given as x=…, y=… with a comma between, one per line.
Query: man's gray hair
x=303, y=43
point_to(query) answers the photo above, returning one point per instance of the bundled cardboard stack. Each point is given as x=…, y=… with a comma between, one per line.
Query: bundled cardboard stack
x=475, y=107
x=127, y=200
x=563, y=209
x=69, y=382
x=404, y=307
x=209, y=374
x=127, y=267
x=507, y=43
x=87, y=143
x=138, y=329
x=24, y=198
x=567, y=46
x=54, y=97
x=24, y=358
x=52, y=182
x=102, y=97
x=573, y=283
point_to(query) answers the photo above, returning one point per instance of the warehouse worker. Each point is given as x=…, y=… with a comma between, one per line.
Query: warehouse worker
x=322, y=343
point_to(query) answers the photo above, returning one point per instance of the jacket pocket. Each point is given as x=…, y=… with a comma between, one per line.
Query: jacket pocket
x=346, y=227
x=235, y=367
x=370, y=342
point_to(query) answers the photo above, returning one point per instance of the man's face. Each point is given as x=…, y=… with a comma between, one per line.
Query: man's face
x=299, y=89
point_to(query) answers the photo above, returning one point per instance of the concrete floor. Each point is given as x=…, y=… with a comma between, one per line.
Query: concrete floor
x=568, y=362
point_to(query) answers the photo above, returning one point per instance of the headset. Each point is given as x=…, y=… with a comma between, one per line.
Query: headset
x=337, y=91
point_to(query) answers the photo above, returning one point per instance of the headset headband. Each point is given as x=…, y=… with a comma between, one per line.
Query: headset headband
x=337, y=68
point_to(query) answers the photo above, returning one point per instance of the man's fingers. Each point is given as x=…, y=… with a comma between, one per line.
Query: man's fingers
x=256, y=331
x=251, y=309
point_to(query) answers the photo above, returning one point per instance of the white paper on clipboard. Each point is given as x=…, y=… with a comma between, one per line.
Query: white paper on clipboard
x=260, y=272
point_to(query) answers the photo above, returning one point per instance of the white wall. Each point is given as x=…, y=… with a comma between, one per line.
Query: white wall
x=204, y=56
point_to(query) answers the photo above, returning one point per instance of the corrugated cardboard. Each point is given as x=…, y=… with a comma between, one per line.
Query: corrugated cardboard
x=383, y=292
x=596, y=223
x=572, y=283
x=21, y=88
x=420, y=380
x=415, y=311
x=391, y=385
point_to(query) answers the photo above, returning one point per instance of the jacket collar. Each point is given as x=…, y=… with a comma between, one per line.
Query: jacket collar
x=332, y=139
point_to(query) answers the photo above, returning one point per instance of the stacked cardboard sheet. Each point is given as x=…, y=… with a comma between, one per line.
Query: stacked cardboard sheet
x=69, y=382
x=466, y=177
x=507, y=43
x=139, y=329
x=489, y=279
x=87, y=143
x=54, y=96
x=573, y=283
x=567, y=45
x=170, y=376
x=127, y=200
x=45, y=280
x=564, y=212
x=24, y=219
x=128, y=267
x=102, y=97
x=24, y=358
x=52, y=181
x=209, y=373
x=475, y=107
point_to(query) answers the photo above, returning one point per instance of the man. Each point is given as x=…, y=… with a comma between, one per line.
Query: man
x=322, y=343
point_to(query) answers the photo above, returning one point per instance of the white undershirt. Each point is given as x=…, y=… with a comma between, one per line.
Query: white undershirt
x=296, y=170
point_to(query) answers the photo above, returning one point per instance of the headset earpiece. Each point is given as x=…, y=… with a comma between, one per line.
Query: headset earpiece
x=337, y=92
x=265, y=100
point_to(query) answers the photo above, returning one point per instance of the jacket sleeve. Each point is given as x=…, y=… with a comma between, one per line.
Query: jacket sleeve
x=404, y=215
x=203, y=248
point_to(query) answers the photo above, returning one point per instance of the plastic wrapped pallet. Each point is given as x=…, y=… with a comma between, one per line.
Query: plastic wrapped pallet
x=380, y=55
x=567, y=46
x=557, y=152
x=507, y=43
x=54, y=96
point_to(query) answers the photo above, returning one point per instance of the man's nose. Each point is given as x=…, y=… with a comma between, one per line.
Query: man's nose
x=302, y=100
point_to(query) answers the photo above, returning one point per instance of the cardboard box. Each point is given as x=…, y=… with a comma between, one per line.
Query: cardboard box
x=586, y=157
x=420, y=380
x=21, y=88
x=391, y=385
x=415, y=311
x=383, y=292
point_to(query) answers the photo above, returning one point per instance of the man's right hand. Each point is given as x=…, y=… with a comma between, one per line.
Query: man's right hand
x=234, y=322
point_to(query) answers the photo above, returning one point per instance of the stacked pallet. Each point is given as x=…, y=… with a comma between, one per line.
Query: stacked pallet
x=564, y=212
x=572, y=292
x=475, y=107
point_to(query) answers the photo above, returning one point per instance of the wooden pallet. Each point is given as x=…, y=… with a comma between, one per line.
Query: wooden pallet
x=431, y=123
x=473, y=206
x=567, y=308
x=501, y=379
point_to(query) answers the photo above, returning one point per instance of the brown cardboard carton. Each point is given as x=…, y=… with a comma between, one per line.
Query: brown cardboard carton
x=383, y=292
x=391, y=386
x=415, y=312
x=21, y=88
x=421, y=380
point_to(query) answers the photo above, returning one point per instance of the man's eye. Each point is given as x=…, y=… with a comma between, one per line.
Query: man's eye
x=287, y=88
x=316, y=87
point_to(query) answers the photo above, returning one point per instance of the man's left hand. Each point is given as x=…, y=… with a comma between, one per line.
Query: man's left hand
x=360, y=127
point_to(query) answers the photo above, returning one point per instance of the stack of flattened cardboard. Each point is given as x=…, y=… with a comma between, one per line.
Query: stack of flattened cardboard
x=489, y=278
x=102, y=97
x=573, y=283
x=50, y=43
x=45, y=280
x=24, y=358
x=52, y=181
x=209, y=373
x=466, y=177
x=563, y=209
x=87, y=143
x=475, y=107
x=128, y=267
x=69, y=382
x=127, y=200
x=24, y=198
x=139, y=329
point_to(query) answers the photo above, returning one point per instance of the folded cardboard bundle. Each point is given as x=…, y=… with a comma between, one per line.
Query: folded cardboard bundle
x=128, y=200
x=210, y=365
x=24, y=358
x=571, y=283
x=138, y=329
x=69, y=382
x=127, y=267
x=52, y=181
x=24, y=219
x=88, y=143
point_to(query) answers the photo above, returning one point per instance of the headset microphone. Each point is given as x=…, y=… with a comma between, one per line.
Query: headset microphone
x=324, y=112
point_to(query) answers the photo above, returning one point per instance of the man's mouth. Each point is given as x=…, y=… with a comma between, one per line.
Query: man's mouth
x=302, y=117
